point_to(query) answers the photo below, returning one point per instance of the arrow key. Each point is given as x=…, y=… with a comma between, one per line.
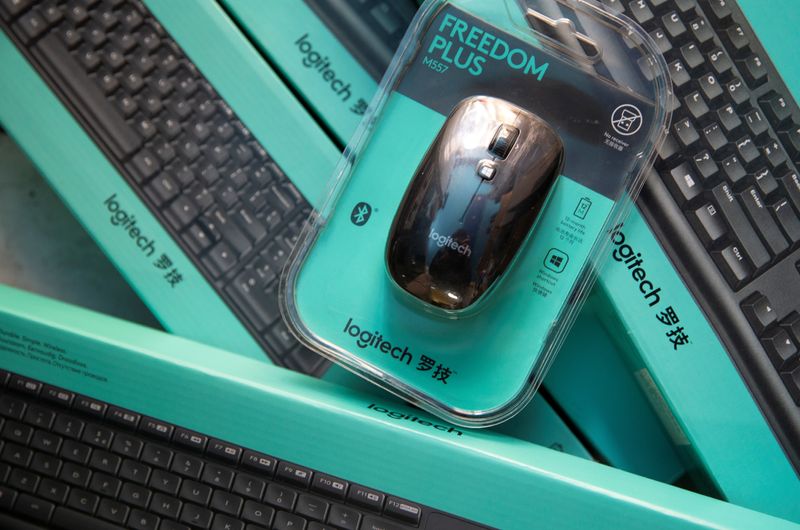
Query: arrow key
x=759, y=311
x=780, y=348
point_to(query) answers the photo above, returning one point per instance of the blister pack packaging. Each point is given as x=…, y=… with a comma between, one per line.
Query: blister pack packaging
x=467, y=213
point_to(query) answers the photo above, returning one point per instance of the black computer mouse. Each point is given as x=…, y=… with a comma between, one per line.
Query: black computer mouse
x=473, y=201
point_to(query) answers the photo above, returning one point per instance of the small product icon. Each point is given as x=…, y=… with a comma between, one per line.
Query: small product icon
x=361, y=214
x=583, y=208
x=627, y=120
x=556, y=260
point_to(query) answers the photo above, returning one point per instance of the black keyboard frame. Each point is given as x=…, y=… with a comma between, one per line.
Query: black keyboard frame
x=720, y=303
x=218, y=285
x=33, y=391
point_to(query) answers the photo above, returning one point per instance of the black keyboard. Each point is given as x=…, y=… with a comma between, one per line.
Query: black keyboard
x=371, y=30
x=71, y=461
x=178, y=145
x=725, y=194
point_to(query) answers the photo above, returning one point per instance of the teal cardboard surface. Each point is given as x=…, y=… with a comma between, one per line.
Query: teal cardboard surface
x=482, y=475
x=99, y=197
x=713, y=416
x=319, y=67
x=595, y=389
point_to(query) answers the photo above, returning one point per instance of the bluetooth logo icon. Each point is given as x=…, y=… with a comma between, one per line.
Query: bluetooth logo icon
x=361, y=214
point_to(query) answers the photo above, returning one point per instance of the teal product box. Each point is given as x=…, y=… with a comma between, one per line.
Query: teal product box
x=692, y=384
x=116, y=218
x=460, y=265
x=483, y=476
x=319, y=67
x=594, y=389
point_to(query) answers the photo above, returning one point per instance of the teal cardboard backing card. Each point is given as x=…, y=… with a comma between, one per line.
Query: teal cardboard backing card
x=496, y=350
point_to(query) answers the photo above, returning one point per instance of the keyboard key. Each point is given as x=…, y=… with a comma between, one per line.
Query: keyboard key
x=762, y=219
x=126, y=445
x=217, y=476
x=17, y=432
x=75, y=475
x=16, y=455
x=288, y=521
x=766, y=181
x=134, y=495
x=248, y=486
x=157, y=456
x=105, y=485
x=53, y=491
x=754, y=71
x=25, y=385
x=7, y=497
x=696, y=104
x=83, y=501
x=710, y=87
x=220, y=259
x=774, y=154
x=76, y=452
x=714, y=137
x=57, y=395
x=259, y=307
x=165, y=482
x=312, y=507
x=280, y=496
x=222, y=501
x=685, y=183
x=366, y=497
x=67, y=518
x=90, y=406
x=747, y=150
x=157, y=428
x=686, y=132
x=709, y=224
x=742, y=229
x=46, y=465
x=228, y=452
x=733, y=169
x=190, y=439
x=760, y=312
x=737, y=91
x=134, y=471
x=259, y=514
x=112, y=511
x=330, y=486
x=343, y=517
x=97, y=436
x=187, y=466
x=34, y=508
x=734, y=265
x=403, y=510
x=223, y=522
x=259, y=462
x=776, y=107
x=22, y=480
x=788, y=220
x=11, y=407
x=298, y=475
x=123, y=417
x=195, y=492
x=39, y=417
x=691, y=55
x=705, y=165
x=165, y=506
x=640, y=11
x=196, y=516
x=46, y=441
x=720, y=61
x=780, y=348
x=140, y=520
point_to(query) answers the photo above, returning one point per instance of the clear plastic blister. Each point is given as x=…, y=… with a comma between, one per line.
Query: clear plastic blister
x=467, y=214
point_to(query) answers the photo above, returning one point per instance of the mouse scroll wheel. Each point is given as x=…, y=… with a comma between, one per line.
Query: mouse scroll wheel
x=503, y=141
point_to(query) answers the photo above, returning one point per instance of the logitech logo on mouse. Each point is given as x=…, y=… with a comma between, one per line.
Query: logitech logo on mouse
x=448, y=242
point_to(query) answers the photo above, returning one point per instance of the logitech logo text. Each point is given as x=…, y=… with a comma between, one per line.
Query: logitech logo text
x=448, y=242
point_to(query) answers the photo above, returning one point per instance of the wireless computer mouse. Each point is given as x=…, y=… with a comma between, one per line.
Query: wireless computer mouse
x=472, y=203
